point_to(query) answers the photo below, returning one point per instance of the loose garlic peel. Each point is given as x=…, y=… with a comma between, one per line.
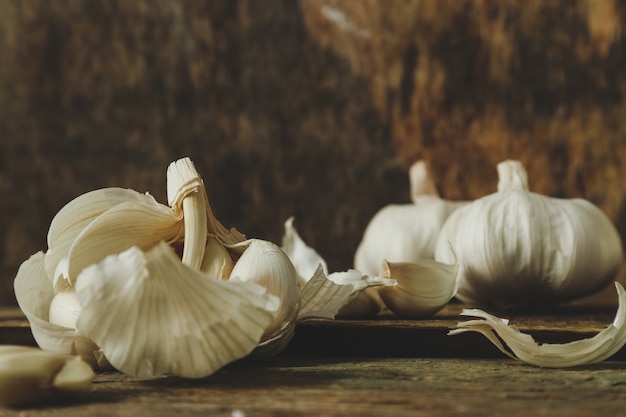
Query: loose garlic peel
x=338, y=295
x=523, y=347
x=423, y=288
x=305, y=258
x=405, y=232
x=29, y=375
x=152, y=315
x=516, y=247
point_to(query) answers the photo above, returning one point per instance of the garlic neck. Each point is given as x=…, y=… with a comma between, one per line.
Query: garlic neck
x=421, y=182
x=512, y=176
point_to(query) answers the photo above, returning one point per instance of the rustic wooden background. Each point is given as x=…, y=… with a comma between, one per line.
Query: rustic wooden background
x=312, y=108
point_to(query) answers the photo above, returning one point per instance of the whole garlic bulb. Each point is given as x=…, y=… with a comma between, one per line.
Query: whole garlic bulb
x=405, y=232
x=518, y=247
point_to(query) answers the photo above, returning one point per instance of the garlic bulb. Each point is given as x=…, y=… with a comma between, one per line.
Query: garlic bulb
x=523, y=347
x=29, y=375
x=112, y=272
x=518, y=247
x=405, y=232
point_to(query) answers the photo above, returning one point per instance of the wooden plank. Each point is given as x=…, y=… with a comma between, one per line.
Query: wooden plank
x=285, y=386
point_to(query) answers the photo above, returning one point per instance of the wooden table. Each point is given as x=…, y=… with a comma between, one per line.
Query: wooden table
x=384, y=367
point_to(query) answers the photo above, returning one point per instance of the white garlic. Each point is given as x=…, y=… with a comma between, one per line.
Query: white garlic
x=423, y=288
x=405, y=232
x=345, y=294
x=523, y=347
x=152, y=315
x=518, y=247
x=265, y=264
x=305, y=258
x=30, y=375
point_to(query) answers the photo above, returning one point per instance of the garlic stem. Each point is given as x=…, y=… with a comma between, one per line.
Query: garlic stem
x=185, y=190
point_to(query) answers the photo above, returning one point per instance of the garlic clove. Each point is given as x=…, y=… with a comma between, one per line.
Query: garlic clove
x=523, y=347
x=217, y=262
x=304, y=258
x=121, y=227
x=186, y=195
x=29, y=375
x=338, y=295
x=267, y=265
x=152, y=315
x=76, y=215
x=422, y=289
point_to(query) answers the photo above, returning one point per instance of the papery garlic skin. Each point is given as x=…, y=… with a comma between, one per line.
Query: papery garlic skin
x=518, y=247
x=153, y=316
x=304, y=258
x=405, y=232
x=522, y=346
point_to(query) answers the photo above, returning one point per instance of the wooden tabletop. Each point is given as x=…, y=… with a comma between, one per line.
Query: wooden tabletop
x=377, y=367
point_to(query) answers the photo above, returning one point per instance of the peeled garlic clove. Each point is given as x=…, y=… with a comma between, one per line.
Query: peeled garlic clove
x=76, y=215
x=515, y=247
x=523, y=347
x=29, y=375
x=152, y=315
x=422, y=289
x=217, y=261
x=265, y=264
x=304, y=258
x=331, y=296
x=121, y=227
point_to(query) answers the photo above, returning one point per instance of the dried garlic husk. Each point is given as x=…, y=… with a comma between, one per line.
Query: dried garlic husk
x=423, y=288
x=523, y=347
x=35, y=295
x=405, y=232
x=152, y=315
x=305, y=259
x=95, y=224
x=29, y=375
x=517, y=247
x=346, y=294
x=341, y=295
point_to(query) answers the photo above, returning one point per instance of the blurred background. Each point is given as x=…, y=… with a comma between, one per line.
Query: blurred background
x=311, y=108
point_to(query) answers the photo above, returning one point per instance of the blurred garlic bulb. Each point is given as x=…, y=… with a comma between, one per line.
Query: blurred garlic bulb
x=521, y=346
x=405, y=232
x=517, y=247
x=423, y=288
x=29, y=375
